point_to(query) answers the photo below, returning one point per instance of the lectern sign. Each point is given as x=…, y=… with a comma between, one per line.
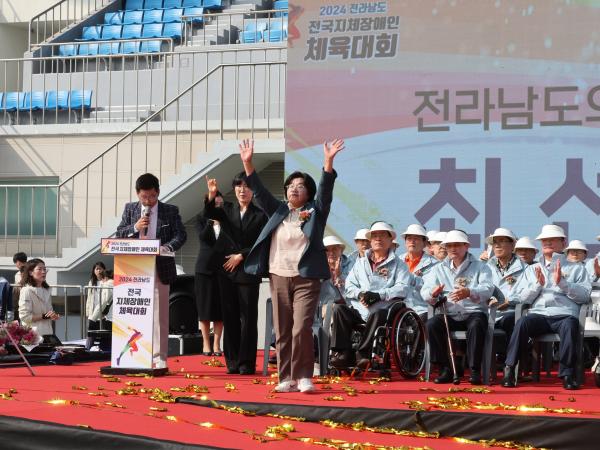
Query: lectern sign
x=133, y=301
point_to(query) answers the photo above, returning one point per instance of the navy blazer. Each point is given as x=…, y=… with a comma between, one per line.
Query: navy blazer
x=169, y=229
x=313, y=262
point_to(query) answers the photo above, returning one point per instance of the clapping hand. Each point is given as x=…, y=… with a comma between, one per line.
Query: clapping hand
x=557, y=275
x=541, y=279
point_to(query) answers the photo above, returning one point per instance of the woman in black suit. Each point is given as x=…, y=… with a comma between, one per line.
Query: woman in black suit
x=208, y=298
x=241, y=223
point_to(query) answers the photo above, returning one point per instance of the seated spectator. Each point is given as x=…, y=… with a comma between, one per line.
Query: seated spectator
x=333, y=288
x=35, y=303
x=430, y=236
x=526, y=250
x=19, y=260
x=576, y=251
x=439, y=250
x=507, y=271
x=593, y=267
x=557, y=288
x=373, y=284
x=419, y=262
x=362, y=245
x=467, y=284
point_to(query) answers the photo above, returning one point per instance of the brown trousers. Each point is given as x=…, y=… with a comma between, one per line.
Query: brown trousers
x=294, y=303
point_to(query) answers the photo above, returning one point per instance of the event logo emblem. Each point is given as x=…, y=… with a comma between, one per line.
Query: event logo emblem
x=294, y=14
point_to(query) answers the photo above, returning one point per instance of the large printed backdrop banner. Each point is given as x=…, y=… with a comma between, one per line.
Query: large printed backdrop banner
x=470, y=114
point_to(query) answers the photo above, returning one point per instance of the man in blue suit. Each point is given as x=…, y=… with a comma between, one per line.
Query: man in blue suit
x=149, y=218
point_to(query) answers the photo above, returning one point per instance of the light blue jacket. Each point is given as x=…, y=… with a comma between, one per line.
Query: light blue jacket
x=414, y=299
x=390, y=280
x=472, y=273
x=589, y=266
x=508, y=286
x=565, y=298
x=329, y=292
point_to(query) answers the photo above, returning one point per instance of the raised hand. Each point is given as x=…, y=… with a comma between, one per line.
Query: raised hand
x=330, y=150
x=247, y=150
x=437, y=291
x=541, y=279
x=211, y=184
x=557, y=275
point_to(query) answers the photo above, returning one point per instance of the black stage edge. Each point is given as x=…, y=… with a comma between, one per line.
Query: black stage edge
x=108, y=370
x=539, y=431
x=25, y=434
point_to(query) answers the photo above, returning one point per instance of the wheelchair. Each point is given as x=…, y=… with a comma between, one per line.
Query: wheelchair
x=401, y=339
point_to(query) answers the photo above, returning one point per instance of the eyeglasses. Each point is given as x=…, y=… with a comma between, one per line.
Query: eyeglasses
x=299, y=187
x=41, y=269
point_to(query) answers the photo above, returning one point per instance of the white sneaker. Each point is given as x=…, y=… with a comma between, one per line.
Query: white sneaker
x=305, y=385
x=286, y=386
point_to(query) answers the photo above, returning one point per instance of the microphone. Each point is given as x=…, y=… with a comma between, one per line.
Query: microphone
x=146, y=213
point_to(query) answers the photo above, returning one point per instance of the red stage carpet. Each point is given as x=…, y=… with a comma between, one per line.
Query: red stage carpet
x=87, y=403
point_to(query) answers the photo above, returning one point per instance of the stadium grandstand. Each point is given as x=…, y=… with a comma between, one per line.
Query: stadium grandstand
x=101, y=91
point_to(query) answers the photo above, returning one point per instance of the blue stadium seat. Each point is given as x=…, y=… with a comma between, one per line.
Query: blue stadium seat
x=172, y=15
x=275, y=35
x=91, y=33
x=34, y=100
x=250, y=37
x=151, y=30
x=134, y=4
x=213, y=5
x=172, y=4
x=253, y=25
x=133, y=17
x=194, y=12
x=113, y=18
x=57, y=100
x=192, y=3
x=88, y=49
x=153, y=16
x=111, y=32
x=133, y=31
x=127, y=48
x=108, y=48
x=153, y=4
x=150, y=46
x=67, y=50
x=1, y=101
x=173, y=30
x=278, y=24
x=79, y=98
x=14, y=101
x=281, y=4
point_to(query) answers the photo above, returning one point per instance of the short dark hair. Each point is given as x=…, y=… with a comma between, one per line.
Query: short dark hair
x=309, y=183
x=239, y=179
x=146, y=182
x=20, y=256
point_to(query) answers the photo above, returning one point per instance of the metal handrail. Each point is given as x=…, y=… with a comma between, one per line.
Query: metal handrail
x=188, y=21
x=56, y=12
x=75, y=190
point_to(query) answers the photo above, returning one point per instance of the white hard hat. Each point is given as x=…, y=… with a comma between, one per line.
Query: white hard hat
x=416, y=229
x=361, y=234
x=576, y=244
x=526, y=242
x=456, y=236
x=551, y=231
x=439, y=237
x=501, y=232
x=381, y=226
x=431, y=234
x=329, y=241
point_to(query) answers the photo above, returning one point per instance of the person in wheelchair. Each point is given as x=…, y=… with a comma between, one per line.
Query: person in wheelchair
x=467, y=284
x=372, y=286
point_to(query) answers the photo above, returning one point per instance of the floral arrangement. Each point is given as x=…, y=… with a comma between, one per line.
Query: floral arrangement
x=22, y=334
x=461, y=282
x=304, y=215
x=510, y=280
x=383, y=272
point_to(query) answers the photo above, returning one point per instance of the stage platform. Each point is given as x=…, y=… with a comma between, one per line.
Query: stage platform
x=198, y=405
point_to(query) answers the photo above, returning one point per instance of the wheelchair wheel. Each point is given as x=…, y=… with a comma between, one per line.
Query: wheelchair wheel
x=408, y=343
